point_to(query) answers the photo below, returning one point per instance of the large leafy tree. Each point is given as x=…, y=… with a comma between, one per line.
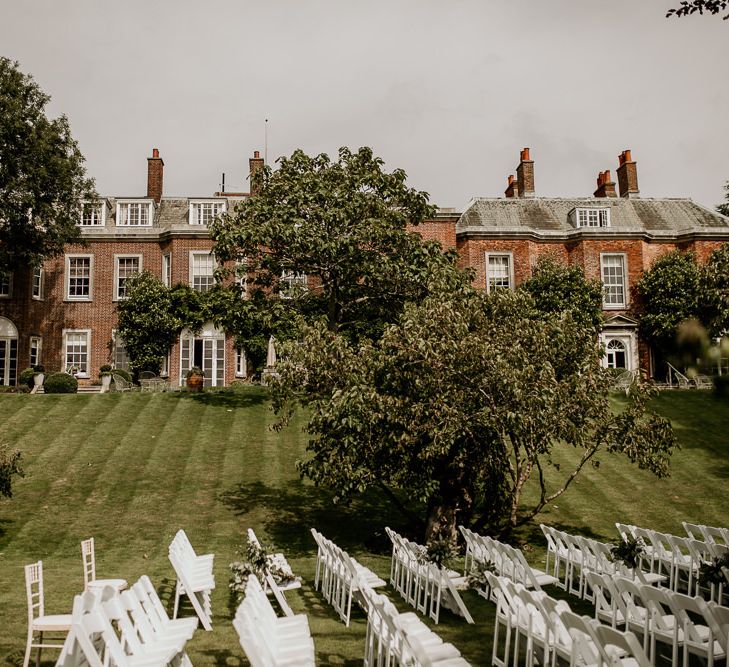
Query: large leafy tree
x=459, y=404
x=670, y=293
x=42, y=175
x=343, y=224
x=557, y=287
x=724, y=208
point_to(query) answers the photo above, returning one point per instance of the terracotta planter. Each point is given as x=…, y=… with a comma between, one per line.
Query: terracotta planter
x=195, y=383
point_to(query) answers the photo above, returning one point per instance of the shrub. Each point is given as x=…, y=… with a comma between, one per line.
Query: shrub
x=26, y=377
x=721, y=386
x=105, y=369
x=39, y=368
x=195, y=370
x=122, y=373
x=60, y=383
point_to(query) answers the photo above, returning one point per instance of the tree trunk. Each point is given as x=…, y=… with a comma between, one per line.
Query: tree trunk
x=446, y=509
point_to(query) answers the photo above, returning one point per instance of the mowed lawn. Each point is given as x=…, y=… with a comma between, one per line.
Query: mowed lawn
x=130, y=469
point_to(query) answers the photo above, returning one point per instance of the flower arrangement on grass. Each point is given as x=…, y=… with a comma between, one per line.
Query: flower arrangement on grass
x=258, y=562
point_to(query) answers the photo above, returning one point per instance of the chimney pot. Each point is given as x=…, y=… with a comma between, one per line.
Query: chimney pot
x=256, y=154
x=627, y=175
x=155, y=173
x=525, y=175
x=512, y=188
x=605, y=186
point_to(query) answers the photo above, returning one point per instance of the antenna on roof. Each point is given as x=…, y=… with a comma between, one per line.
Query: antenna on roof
x=265, y=142
x=222, y=187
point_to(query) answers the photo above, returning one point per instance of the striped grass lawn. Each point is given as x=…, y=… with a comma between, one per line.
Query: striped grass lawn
x=130, y=469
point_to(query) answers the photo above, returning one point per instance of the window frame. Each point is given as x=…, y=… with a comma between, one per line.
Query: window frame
x=64, y=358
x=499, y=253
x=167, y=269
x=102, y=208
x=138, y=256
x=192, y=274
x=9, y=283
x=600, y=213
x=241, y=363
x=67, y=277
x=41, y=283
x=149, y=203
x=624, y=263
x=199, y=203
x=293, y=280
x=38, y=340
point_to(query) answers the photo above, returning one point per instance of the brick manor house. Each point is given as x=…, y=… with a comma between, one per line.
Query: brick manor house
x=63, y=314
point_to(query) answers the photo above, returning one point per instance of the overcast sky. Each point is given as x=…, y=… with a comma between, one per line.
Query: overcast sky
x=450, y=91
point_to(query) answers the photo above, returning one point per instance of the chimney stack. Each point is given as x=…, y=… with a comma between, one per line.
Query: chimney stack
x=155, y=169
x=525, y=175
x=512, y=189
x=627, y=175
x=605, y=186
x=255, y=165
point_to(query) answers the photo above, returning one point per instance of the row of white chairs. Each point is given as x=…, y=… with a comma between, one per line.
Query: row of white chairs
x=40, y=623
x=194, y=577
x=127, y=629
x=579, y=555
x=341, y=577
x=678, y=557
x=547, y=630
x=661, y=615
x=701, y=532
x=394, y=639
x=507, y=561
x=423, y=584
x=269, y=640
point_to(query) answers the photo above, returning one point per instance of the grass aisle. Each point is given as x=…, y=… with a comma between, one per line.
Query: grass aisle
x=130, y=469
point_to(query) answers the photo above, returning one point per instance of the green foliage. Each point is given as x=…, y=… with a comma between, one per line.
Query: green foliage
x=343, y=224
x=477, y=578
x=715, y=294
x=257, y=562
x=441, y=552
x=9, y=466
x=557, y=287
x=628, y=552
x=670, y=292
x=712, y=573
x=39, y=368
x=26, y=377
x=42, y=175
x=105, y=369
x=148, y=321
x=724, y=208
x=195, y=371
x=459, y=403
x=60, y=383
x=689, y=7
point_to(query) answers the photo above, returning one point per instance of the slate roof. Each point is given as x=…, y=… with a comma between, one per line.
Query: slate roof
x=550, y=217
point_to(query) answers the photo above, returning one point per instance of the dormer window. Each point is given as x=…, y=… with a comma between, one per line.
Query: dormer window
x=134, y=213
x=590, y=217
x=204, y=212
x=93, y=214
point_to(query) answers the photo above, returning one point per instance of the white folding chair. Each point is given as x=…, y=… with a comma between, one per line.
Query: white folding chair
x=88, y=555
x=38, y=621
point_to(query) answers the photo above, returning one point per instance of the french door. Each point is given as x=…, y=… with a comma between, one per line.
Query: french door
x=8, y=361
x=207, y=353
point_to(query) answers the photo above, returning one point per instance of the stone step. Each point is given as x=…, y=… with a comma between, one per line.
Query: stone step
x=82, y=389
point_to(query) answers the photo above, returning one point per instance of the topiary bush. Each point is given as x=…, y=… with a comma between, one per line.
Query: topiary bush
x=26, y=377
x=122, y=373
x=60, y=383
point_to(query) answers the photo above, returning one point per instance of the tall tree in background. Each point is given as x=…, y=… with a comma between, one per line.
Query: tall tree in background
x=42, y=175
x=340, y=226
x=724, y=208
x=689, y=7
x=459, y=404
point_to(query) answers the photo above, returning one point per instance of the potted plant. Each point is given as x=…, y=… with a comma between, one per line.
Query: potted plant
x=105, y=375
x=628, y=552
x=195, y=379
x=38, y=377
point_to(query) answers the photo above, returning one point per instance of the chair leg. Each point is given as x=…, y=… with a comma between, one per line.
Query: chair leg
x=38, y=657
x=28, y=647
x=177, y=598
